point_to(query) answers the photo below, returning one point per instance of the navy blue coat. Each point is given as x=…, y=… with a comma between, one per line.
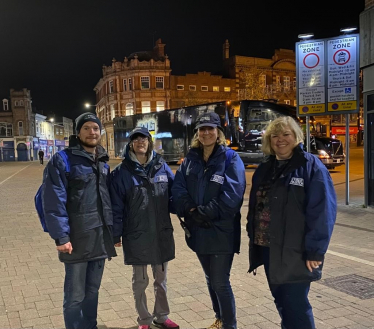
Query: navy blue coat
x=217, y=192
x=302, y=217
x=77, y=208
x=141, y=213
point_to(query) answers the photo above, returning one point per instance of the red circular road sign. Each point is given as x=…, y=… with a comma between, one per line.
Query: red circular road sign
x=312, y=62
x=341, y=57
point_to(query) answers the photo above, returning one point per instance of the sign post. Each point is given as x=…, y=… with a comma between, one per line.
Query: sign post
x=327, y=73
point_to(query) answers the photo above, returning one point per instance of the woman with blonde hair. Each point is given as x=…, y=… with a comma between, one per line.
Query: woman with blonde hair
x=208, y=192
x=292, y=212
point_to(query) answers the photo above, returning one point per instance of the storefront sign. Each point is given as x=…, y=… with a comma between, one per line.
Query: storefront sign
x=341, y=130
x=59, y=143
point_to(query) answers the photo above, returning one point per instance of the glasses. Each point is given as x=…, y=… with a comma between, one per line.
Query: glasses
x=140, y=139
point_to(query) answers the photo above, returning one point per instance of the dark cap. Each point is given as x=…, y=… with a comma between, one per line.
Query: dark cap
x=85, y=117
x=139, y=131
x=210, y=119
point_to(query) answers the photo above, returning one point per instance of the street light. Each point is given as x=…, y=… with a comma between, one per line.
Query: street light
x=347, y=30
x=305, y=36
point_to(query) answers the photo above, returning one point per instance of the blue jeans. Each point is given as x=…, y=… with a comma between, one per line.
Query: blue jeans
x=217, y=273
x=291, y=300
x=81, y=294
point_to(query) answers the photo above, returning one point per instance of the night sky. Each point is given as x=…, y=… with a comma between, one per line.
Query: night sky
x=56, y=48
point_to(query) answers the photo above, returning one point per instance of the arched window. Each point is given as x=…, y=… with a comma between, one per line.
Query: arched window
x=16, y=103
x=129, y=109
x=21, y=103
x=20, y=128
x=5, y=105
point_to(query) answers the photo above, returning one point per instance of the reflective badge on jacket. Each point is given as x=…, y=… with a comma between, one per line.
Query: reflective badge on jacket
x=105, y=171
x=218, y=179
x=161, y=178
x=297, y=181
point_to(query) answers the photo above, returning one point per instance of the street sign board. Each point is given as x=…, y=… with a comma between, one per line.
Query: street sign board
x=327, y=73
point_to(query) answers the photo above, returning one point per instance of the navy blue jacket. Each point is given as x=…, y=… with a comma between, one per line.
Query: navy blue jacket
x=141, y=214
x=217, y=192
x=302, y=216
x=77, y=207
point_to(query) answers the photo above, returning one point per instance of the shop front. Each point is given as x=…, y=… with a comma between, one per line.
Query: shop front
x=60, y=145
x=7, y=150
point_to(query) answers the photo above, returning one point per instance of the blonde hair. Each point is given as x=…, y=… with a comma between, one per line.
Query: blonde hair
x=279, y=125
x=221, y=140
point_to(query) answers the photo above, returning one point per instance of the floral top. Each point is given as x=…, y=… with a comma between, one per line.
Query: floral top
x=262, y=210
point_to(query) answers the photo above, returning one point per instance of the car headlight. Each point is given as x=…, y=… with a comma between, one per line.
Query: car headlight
x=323, y=154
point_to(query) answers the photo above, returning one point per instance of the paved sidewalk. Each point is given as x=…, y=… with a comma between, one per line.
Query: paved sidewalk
x=31, y=277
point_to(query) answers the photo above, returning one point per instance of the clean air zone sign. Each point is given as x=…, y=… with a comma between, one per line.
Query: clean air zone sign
x=327, y=76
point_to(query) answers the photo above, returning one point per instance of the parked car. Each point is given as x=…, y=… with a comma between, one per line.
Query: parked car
x=329, y=151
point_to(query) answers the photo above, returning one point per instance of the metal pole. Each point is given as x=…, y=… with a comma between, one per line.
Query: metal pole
x=347, y=159
x=307, y=133
x=366, y=153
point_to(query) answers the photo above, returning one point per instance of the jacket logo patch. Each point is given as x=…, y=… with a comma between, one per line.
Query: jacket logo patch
x=218, y=179
x=161, y=178
x=297, y=181
x=105, y=171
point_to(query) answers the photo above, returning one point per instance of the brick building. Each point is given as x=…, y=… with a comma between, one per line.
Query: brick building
x=17, y=127
x=143, y=83
x=263, y=78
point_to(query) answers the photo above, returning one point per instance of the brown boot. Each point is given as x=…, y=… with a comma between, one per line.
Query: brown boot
x=217, y=324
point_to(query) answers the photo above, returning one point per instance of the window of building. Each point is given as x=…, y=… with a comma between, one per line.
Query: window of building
x=5, y=105
x=130, y=84
x=112, y=112
x=144, y=82
x=277, y=79
x=16, y=103
x=146, y=106
x=215, y=88
x=286, y=83
x=129, y=109
x=111, y=87
x=111, y=142
x=227, y=89
x=160, y=106
x=6, y=129
x=204, y=88
x=294, y=83
x=192, y=88
x=37, y=129
x=295, y=102
x=124, y=84
x=262, y=80
x=287, y=101
x=180, y=87
x=21, y=103
x=159, y=82
x=20, y=128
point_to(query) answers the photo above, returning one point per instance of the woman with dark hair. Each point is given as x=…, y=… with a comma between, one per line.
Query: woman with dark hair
x=141, y=196
x=292, y=211
x=208, y=192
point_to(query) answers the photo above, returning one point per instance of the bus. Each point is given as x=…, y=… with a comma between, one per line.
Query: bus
x=243, y=123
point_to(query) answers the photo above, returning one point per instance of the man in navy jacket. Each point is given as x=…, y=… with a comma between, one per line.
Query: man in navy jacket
x=78, y=216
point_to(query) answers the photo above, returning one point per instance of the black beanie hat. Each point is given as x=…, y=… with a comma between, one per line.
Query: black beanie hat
x=85, y=117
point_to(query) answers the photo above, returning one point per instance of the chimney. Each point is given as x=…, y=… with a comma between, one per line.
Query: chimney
x=226, y=50
x=159, y=48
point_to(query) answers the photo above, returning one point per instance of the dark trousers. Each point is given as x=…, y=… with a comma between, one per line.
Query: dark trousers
x=291, y=300
x=217, y=273
x=81, y=294
x=41, y=160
